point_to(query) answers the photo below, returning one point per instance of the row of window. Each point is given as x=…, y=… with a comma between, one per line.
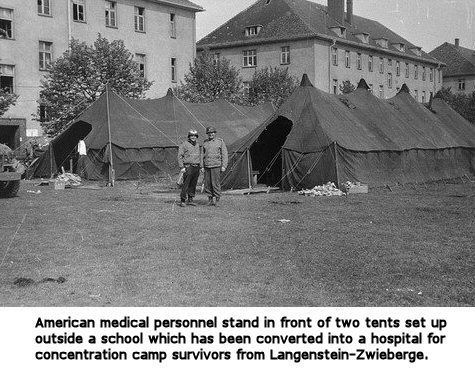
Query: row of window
x=380, y=91
x=249, y=59
x=7, y=72
x=79, y=15
x=381, y=65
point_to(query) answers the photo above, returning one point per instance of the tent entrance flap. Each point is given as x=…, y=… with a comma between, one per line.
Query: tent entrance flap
x=266, y=152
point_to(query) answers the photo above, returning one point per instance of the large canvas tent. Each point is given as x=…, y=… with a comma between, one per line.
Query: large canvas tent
x=144, y=134
x=316, y=137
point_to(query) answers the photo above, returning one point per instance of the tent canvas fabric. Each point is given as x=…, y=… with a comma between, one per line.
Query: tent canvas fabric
x=316, y=137
x=145, y=134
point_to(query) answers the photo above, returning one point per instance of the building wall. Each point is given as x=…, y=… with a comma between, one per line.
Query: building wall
x=155, y=43
x=454, y=84
x=314, y=58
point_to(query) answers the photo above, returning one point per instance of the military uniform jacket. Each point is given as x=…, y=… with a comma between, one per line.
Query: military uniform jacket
x=189, y=154
x=215, y=153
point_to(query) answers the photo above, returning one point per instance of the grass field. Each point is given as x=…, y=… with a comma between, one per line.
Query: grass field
x=131, y=245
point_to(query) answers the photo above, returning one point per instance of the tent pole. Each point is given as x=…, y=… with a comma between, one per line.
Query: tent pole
x=51, y=159
x=249, y=177
x=111, y=164
x=336, y=165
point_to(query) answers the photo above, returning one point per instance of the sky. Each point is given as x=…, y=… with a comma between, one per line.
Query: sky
x=425, y=23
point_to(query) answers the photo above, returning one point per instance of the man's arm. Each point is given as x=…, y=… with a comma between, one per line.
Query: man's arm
x=181, y=155
x=224, y=156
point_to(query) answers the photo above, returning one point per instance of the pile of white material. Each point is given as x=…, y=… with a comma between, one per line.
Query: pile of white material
x=70, y=179
x=328, y=189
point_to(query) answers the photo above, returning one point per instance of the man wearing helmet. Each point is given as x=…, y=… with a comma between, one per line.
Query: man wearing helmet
x=215, y=161
x=189, y=160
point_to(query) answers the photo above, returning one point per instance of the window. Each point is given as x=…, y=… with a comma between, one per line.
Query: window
x=44, y=112
x=416, y=95
x=381, y=65
x=216, y=57
x=249, y=58
x=7, y=73
x=390, y=62
x=335, y=86
x=6, y=23
x=347, y=59
x=381, y=91
x=431, y=74
x=423, y=73
x=358, y=61
x=139, y=19
x=370, y=63
x=390, y=80
x=407, y=70
x=79, y=14
x=440, y=75
x=173, y=69
x=334, y=56
x=252, y=31
x=44, y=7
x=46, y=54
x=423, y=96
x=461, y=84
x=285, y=55
x=140, y=60
x=416, y=71
x=398, y=68
x=172, y=25
x=111, y=14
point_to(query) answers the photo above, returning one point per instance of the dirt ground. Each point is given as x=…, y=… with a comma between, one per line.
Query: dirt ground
x=131, y=245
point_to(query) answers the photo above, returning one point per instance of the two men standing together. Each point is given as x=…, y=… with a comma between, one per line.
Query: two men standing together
x=212, y=158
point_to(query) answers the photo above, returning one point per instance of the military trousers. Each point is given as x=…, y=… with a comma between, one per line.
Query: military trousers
x=190, y=179
x=212, y=179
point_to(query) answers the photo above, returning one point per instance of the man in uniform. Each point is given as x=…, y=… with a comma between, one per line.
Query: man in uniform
x=189, y=160
x=215, y=161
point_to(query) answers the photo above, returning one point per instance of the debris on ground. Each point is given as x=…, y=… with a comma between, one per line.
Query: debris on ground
x=328, y=189
x=355, y=187
x=284, y=220
x=25, y=282
x=35, y=192
x=69, y=179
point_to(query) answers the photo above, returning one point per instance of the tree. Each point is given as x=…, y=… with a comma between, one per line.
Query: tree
x=80, y=75
x=461, y=103
x=346, y=87
x=209, y=80
x=7, y=99
x=269, y=84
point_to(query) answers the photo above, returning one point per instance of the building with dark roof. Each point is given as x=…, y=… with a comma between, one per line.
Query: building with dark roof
x=161, y=35
x=327, y=43
x=459, y=73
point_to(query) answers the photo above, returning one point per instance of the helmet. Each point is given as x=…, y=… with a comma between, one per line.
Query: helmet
x=192, y=133
x=210, y=130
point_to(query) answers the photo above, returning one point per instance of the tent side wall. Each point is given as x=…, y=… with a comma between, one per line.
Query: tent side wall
x=132, y=163
x=380, y=168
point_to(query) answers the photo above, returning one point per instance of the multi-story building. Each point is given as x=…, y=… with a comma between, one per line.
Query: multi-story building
x=325, y=42
x=459, y=74
x=160, y=33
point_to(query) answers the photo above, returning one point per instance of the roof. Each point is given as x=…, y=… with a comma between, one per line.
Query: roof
x=165, y=122
x=185, y=4
x=291, y=19
x=359, y=121
x=459, y=60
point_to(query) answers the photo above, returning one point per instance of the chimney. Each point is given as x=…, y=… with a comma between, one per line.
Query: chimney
x=349, y=11
x=336, y=10
x=457, y=42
